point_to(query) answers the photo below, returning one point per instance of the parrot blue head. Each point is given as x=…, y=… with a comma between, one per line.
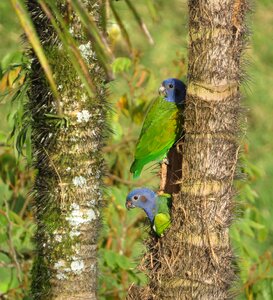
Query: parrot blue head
x=143, y=198
x=173, y=90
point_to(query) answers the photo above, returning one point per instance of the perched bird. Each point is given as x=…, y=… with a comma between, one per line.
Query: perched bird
x=156, y=207
x=162, y=125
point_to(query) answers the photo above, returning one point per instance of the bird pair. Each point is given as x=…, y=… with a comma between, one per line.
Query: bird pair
x=162, y=127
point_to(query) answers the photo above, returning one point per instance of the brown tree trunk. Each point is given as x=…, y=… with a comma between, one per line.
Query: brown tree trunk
x=194, y=260
x=67, y=190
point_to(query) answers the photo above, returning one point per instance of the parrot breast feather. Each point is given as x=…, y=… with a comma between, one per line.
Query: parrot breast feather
x=161, y=223
x=162, y=219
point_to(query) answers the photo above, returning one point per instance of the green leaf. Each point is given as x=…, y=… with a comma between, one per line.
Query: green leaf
x=123, y=262
x=121, y=64
x=117, y=131
x=3, y=137
x=255, y=225
x=245, y=228
x=250, y=251
x=249, y=193
x=11, y=58
x=59, y=121
x=28, y=147
x=16, y=218
x=8, y=279
x=152, y=9
x=109, y=257
x=5, y=192
x=31, y=34
x=262, y=234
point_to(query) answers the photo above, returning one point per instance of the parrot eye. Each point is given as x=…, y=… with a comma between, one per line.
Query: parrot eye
x=170, y=86
x=135, y=197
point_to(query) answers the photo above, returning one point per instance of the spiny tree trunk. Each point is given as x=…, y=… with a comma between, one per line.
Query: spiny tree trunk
x=67, y=190
x=195, y=260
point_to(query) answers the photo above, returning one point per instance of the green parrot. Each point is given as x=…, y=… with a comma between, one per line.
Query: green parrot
x=162, y=126
x=156, y=207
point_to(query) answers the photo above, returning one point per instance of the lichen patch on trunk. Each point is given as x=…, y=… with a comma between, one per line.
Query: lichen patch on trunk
x=67, y=191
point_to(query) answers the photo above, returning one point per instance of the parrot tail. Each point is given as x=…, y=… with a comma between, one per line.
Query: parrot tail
x=136, y=169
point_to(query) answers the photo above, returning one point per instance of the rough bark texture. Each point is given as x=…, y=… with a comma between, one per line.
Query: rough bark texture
x=67, y=191
x=194, y=260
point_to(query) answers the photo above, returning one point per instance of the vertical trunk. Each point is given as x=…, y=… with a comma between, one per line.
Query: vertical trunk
x=67, y=190
x=195, y=260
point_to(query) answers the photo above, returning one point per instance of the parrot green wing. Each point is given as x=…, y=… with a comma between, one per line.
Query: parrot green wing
x=160, y=130
x=162, y=219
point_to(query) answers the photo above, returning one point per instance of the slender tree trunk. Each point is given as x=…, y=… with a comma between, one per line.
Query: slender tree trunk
x=67, y=190
x=195, y=260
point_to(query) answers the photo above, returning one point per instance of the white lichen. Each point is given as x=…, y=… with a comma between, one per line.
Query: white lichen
x=59, y=267
x=78, y=217
x=90, y=215
x=59, y=264
x=71, y=30
x=62, y=269
x=61, y=276
x=86, y=50
x=79, y=181
x=84, y=97
x=58, y=238
x=83, y=116
x=74, y=233
x=77, y=266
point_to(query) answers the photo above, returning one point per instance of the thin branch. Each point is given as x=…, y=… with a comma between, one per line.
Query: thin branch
x=140, y=22
x=122, y=27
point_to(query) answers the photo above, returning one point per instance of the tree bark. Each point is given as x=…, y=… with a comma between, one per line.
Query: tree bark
x=67, y=190
x=194, y=260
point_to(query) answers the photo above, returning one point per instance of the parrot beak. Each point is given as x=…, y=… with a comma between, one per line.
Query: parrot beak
x=162, y=91
x=129, y=204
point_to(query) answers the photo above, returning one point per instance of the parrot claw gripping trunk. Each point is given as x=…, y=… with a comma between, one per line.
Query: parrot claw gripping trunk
x=194, y=260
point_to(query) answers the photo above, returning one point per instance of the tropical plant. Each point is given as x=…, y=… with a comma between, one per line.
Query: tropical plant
x=138, y=69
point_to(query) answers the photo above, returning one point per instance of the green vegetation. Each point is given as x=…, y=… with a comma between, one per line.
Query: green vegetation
x=137, y=80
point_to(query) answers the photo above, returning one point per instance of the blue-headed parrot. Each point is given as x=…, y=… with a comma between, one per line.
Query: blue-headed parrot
x=156, y=207
x=162, y=126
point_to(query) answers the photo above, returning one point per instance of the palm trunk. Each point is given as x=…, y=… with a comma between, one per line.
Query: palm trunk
x=67, y=191
x=195, y=260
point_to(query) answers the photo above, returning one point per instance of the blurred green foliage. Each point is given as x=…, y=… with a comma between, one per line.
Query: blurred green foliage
x=138, y=76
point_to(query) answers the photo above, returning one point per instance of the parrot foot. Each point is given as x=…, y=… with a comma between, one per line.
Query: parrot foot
x=165, y=161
